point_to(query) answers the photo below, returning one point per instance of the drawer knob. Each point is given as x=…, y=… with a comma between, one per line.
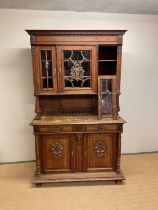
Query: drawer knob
x=101, y=129
x=54, y=130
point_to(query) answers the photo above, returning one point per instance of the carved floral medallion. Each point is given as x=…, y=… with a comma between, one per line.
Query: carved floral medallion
x=100, y=148
x=56, y=150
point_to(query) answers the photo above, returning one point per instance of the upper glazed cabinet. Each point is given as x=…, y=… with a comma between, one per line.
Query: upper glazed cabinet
x=71, y=64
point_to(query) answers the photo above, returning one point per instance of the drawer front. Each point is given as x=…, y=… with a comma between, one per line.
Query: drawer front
x=78, y=128
x=102, y=128
x=53, y=129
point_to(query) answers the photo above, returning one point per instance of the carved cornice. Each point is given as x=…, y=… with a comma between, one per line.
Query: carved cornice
x=77, y=32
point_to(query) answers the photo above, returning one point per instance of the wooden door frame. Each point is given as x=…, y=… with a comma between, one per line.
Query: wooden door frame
x=93, y=71
x=39, y=69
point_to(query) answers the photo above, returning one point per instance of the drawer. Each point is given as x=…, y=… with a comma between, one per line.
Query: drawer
x=53, y=129
x=102, y=128
x=78, y=128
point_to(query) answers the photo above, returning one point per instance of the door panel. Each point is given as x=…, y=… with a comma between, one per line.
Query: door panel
x=58, y=153
x=46, y=58
x=107, y=97
x=77, y=68
x=100, y=152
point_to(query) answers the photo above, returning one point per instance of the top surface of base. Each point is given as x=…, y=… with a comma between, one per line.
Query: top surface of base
x=53, y=120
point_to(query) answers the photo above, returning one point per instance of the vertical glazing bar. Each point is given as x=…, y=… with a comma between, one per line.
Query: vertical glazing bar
x=114, y=99
x=99, y=98
x=107, y=98
x=46, y=66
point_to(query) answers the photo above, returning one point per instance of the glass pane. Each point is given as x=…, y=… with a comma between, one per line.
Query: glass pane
x=44, y=83
x=86, y=83
x=86, y=54
x=50, y=83
x=43, y=69
x=107, y=97
x=50, y=69
x=77, y=68
x=43, y=55
x=49, y=55
x=67, y=55
x=86, y=67
x=67, y=67
x=76, y=55
x=46, y=69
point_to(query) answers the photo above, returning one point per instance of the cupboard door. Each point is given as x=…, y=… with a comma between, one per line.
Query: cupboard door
x=107, y=97
x=100, y=152
x=46, y=71
x=58, y=153
x=77, y=69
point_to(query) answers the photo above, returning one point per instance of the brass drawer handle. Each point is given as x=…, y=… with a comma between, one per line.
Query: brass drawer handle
x=101, y=129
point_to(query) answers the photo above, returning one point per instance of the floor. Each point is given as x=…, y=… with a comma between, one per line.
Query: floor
x=139, y=192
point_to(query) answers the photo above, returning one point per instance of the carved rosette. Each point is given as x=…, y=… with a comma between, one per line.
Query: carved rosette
x=79, y=139
x=100, y=148
x=56, y=150
x=33, y=39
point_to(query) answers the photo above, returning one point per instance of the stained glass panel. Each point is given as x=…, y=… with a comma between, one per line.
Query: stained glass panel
x=77, y=68
x=86, y=54
x=76, y=55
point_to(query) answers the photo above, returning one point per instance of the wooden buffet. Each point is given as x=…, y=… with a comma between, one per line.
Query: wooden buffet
x=77, y=127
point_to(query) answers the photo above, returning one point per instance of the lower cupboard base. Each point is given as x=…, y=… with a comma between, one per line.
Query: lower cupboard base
x=77, y=177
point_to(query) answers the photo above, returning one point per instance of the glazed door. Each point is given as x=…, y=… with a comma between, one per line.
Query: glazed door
x=107, y=99
x=46, y=71
x=100, y=152
x=77, y=69
x=58, y=153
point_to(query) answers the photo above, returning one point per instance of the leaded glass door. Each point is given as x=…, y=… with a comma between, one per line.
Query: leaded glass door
x=47, y=69
x=107, y=97
x=77, y=68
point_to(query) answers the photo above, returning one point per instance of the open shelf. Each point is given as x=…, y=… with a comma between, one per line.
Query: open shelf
x=107, y=52
x=107, y=60
x=107, y=68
